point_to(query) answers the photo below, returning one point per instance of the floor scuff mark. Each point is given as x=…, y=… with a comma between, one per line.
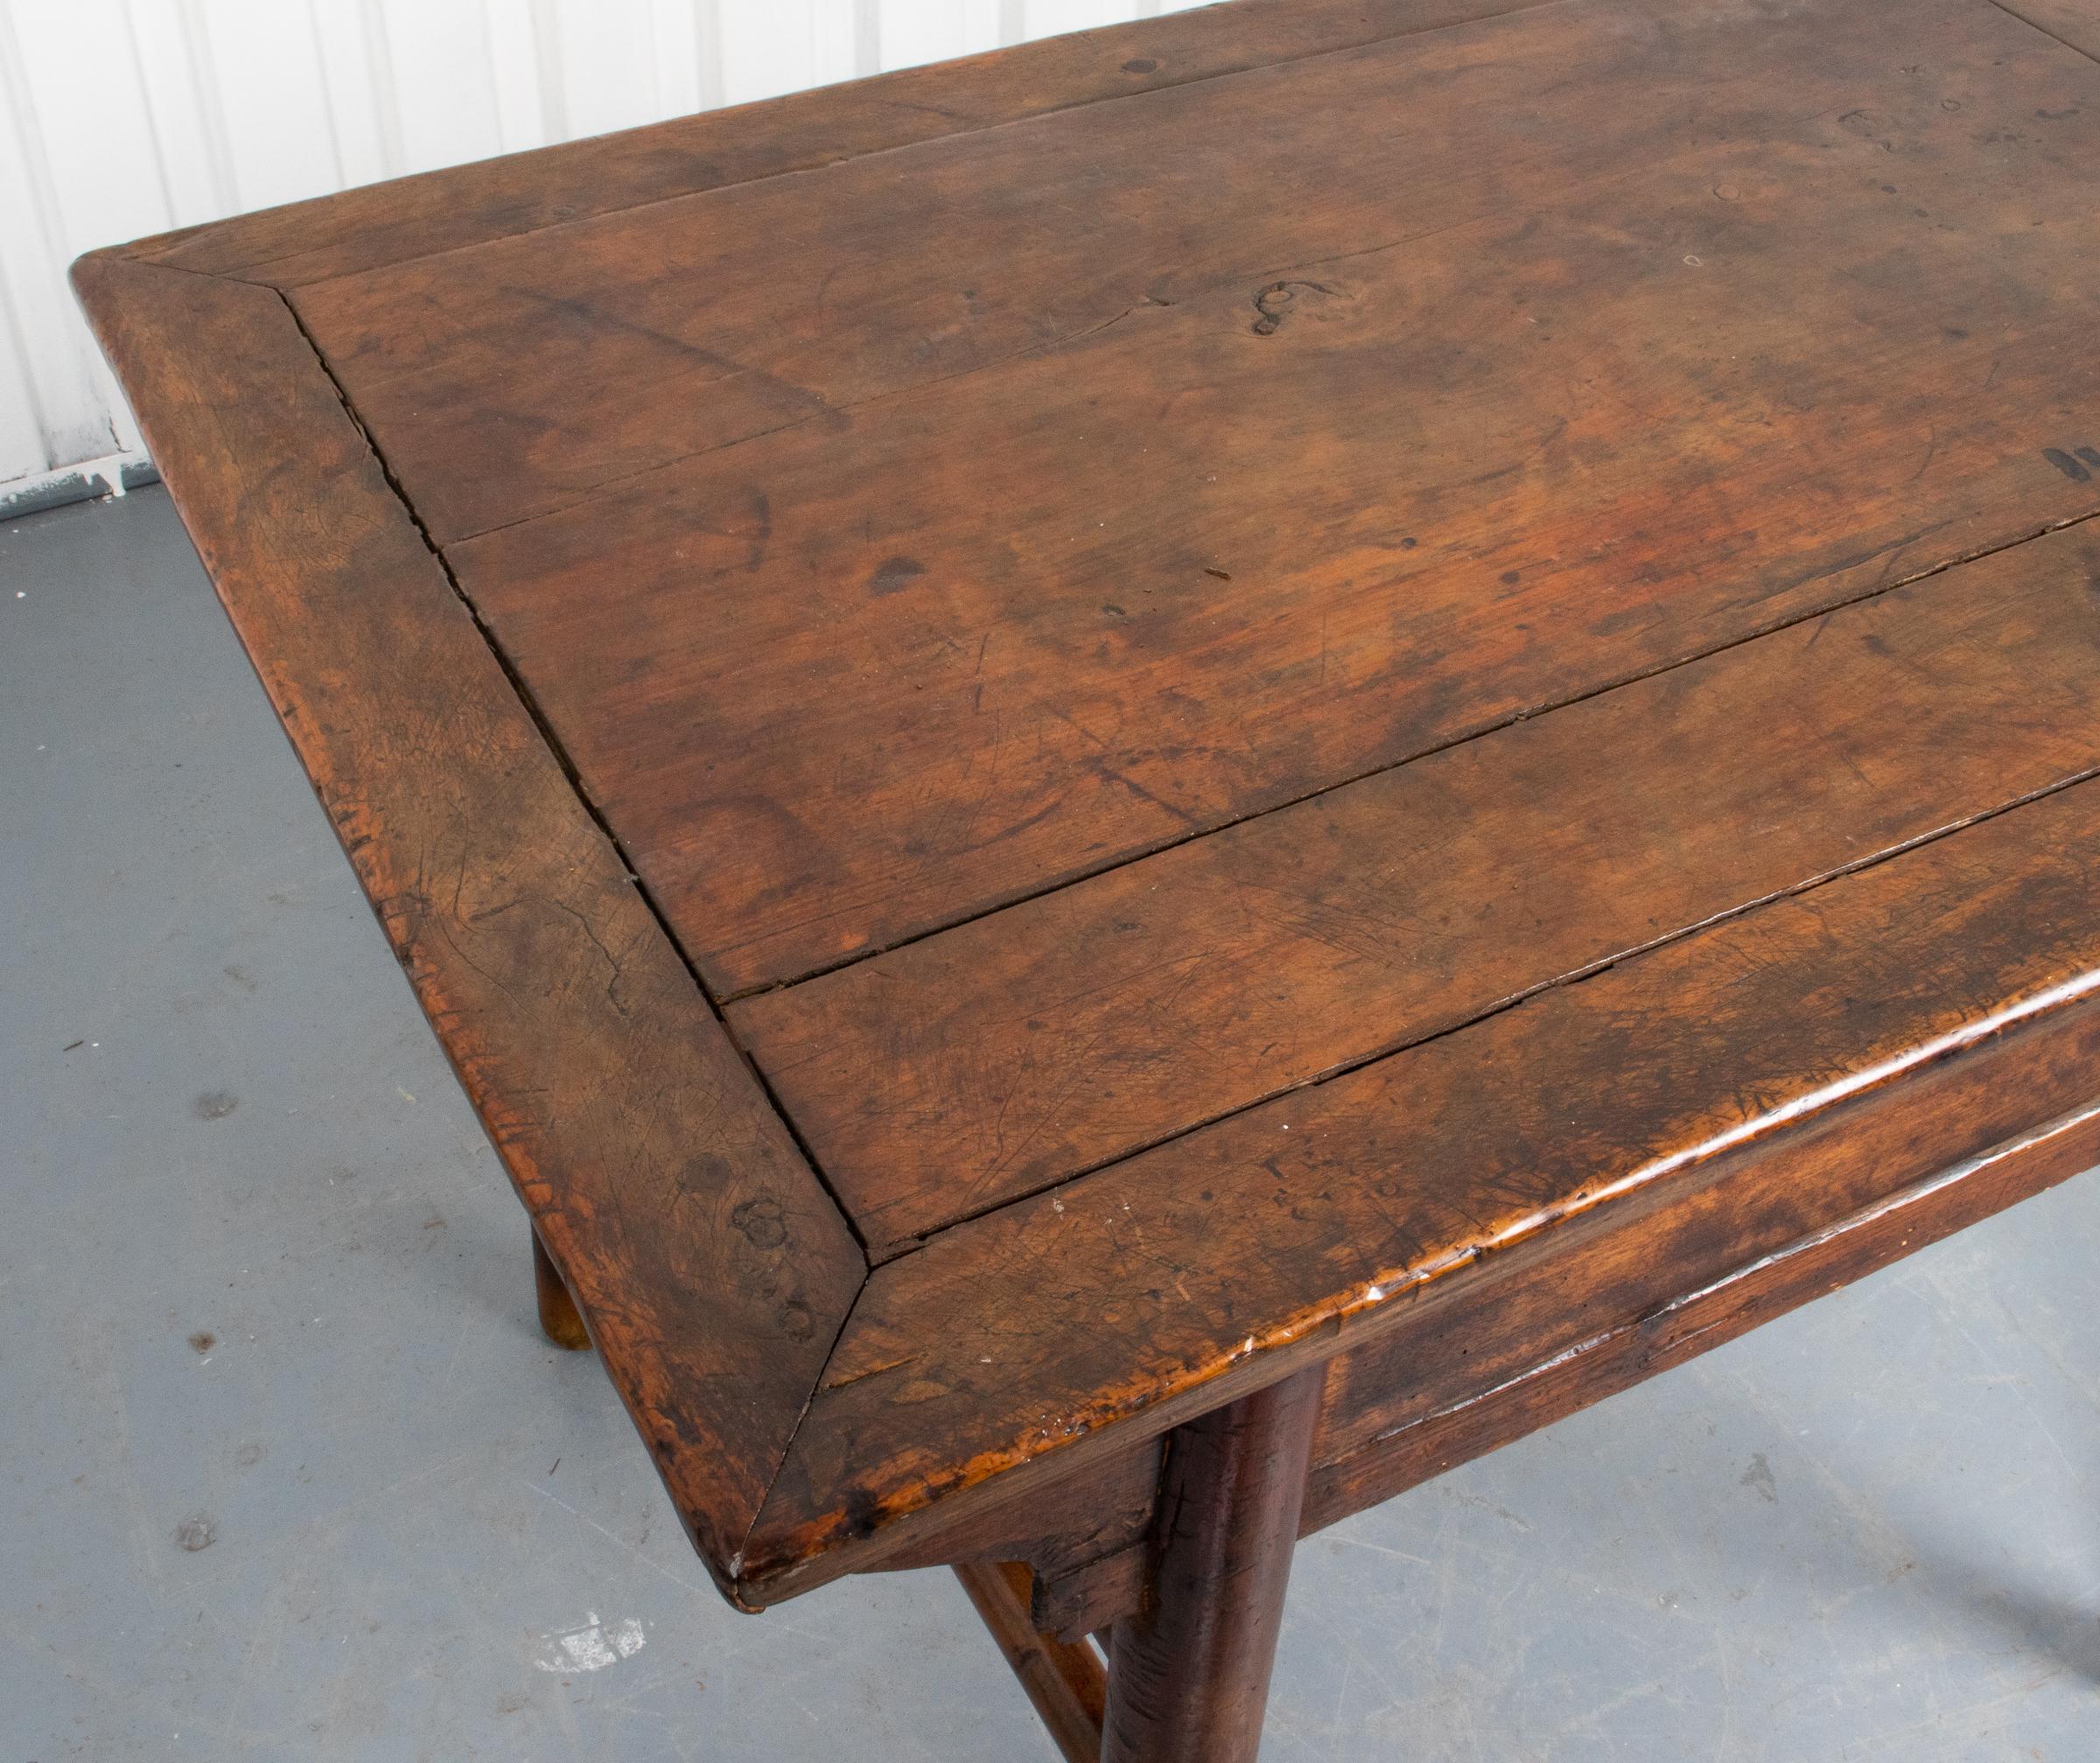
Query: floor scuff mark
x=591, y=1647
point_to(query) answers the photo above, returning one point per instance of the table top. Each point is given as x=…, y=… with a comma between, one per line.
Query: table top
x=1044, y=732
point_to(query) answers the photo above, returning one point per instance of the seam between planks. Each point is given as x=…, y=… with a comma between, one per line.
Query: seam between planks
x=561, y=758
x=900, y=1247
x=1218, y=280
x=1893, y=1204
x=893, y=1250
x=1543, y=707
x=2048, y=1004
x=2011, y=11
x=794, y=1433
x=569, y=772
x=250, y=273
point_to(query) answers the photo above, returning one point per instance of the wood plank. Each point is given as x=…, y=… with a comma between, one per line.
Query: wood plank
x=896, y=270
x=1540, y=1335
x=1905, y=1222
x=1085, y=1540
x=467, y=205
x=844, y=684
x=1092, y=1596
x=1056, y=1531
x=2073, y=22
x=712, y=1270
x=1065, y=1681
x=1173, y=1281
x=1542, y=1301
x=1001, y=1057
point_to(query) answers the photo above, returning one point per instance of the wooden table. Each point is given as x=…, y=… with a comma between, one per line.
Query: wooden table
x=1152, y=783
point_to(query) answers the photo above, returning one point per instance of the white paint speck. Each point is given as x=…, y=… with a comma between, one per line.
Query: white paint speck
x=592, y=1647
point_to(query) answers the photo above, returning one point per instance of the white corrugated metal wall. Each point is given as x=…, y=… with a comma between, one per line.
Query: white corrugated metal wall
x=123, y=117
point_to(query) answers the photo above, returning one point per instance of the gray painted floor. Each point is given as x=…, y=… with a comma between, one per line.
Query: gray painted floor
x=287, y=1471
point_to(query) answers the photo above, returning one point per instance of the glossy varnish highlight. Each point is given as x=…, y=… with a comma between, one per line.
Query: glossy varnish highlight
x=1317, y=727
x=1614, y=333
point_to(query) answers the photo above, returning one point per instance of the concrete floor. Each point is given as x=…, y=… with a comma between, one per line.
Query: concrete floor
x=287, y=1471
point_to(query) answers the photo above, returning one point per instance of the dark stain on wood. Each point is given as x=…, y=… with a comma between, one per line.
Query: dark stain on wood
x=1451, y=853
x=1058, y=1035
x=592, y=1056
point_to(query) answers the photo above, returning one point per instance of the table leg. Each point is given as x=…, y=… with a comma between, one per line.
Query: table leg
x=1063, y=1679
x=1188, y=1675
x=558, y=1316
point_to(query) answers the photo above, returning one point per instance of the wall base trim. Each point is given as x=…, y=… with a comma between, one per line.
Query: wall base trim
x=104, y=478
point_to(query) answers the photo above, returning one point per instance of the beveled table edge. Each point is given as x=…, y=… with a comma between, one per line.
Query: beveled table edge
x=477, y=202
x=721, y=1467
x=710, y=1266
x=719, y=1356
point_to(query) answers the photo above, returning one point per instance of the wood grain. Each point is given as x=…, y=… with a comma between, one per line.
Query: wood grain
x=891, y=271
x=1121, y=1302
x=1571, y=1316
x=1093, y=1597
x=1621, y=1267
x=1058, y=1530
x=1509, y=441
x=2073, y=22
x=710, y=1266
x=559, y=1320
x=1188, y=1671
x=1697, y=1322
x=844, y=684
x=1064, y=1680
x=495, y=199
x=972, y=1067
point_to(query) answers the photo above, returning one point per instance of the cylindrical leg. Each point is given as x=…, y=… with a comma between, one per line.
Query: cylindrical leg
x=1188, y=1675
x=557, y=1310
